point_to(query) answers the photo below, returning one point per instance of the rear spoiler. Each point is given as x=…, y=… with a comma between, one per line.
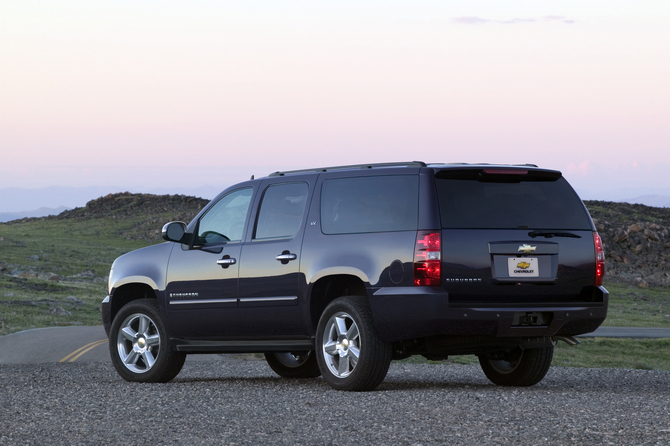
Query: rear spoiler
x=498, y=175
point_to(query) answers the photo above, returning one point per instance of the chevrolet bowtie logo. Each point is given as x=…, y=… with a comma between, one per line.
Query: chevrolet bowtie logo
x=523, y=265
x=527, y=248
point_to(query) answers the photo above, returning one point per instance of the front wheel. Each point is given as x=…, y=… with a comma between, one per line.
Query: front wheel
x=294, y=364
x=138, y=344
x=517, y=367
x=350, y=353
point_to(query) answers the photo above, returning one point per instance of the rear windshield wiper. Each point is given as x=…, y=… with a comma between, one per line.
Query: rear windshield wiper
x=552, y=234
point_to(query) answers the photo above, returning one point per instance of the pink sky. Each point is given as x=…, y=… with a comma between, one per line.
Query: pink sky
x=158, y=94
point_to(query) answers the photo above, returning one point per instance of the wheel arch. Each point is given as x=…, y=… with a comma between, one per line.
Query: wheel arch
x=129, y=292
x=328, y=288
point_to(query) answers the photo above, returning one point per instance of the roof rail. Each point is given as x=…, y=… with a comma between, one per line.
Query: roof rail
x=353, y=166
x=484, y=164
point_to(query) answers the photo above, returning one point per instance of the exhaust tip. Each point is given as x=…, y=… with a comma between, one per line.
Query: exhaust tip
x=567, y=339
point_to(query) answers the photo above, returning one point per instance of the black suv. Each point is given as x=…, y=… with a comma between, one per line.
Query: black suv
x=337, y=271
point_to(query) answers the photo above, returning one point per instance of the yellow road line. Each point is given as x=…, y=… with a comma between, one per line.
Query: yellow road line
x=72, y=357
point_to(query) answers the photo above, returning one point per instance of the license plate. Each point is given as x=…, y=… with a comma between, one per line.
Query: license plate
x=523, y=267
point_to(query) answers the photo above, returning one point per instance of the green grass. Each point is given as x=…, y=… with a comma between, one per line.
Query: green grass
x=632, y=306
x=29, y=303
x=645, y=354
x=66, y=248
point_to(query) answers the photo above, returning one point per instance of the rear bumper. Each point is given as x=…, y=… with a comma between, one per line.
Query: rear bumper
x=402, y=313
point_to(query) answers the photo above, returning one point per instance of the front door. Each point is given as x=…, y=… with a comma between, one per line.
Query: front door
x=202, y=279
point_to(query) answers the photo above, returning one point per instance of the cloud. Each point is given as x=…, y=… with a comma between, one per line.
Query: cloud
x=473, y=20
x=583, y=169
x=470, y=20
x=515, y=21
x=562, y=18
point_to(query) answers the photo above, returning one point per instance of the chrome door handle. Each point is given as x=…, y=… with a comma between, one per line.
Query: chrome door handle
x=286, y=257
x=226, y=262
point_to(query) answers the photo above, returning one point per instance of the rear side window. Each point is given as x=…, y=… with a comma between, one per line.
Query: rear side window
x=281, y=210
x=370, y=204
x=476, y=204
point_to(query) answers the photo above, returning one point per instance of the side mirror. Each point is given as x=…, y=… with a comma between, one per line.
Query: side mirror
x=175, y=231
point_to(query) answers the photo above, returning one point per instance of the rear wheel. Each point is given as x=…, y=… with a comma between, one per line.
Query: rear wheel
x=350, y=353
x=294, y=364
x=138, y=344
x=517, y=367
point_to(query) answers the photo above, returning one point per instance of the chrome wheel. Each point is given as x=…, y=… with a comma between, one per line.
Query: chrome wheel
x=341, y=344
x=293, y=359
x=517, y=367
x=294, y=364
x=138, y=343
x=507, y=364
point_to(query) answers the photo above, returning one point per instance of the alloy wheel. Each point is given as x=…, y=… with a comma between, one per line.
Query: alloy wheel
x=138, y=343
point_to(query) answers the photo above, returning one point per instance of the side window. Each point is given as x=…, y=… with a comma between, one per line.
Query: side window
x=224, y=222
x=370, y=204
x=281, y=210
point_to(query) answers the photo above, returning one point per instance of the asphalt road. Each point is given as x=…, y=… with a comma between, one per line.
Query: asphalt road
x=61, y=344
x=83, y=344
x=89, y=344
x=628, y=332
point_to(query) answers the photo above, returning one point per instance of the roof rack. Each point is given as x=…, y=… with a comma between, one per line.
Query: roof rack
x=353, y=166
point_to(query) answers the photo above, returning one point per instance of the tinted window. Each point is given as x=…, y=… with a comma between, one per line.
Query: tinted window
x=469, y=203
x=370, y=204
x=281, y=210
x=225, y=220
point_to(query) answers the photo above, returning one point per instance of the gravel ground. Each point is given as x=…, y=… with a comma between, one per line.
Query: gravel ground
x=230, y=400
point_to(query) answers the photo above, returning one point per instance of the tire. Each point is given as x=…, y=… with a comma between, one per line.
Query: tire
x=294, y=364
x=138, y=344
x=350, y=353
x=518, y=367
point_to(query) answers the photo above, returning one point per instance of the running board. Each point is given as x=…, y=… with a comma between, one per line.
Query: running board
x=292, y=345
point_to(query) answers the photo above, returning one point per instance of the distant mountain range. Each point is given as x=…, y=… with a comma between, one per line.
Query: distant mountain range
x=17, y=203
x=41, y=212
x=659, y=201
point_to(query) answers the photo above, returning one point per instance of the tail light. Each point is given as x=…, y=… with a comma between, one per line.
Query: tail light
x=427, y=261
x=600, y=259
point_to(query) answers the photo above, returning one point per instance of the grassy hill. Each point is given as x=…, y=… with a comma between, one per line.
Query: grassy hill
x=53, y=270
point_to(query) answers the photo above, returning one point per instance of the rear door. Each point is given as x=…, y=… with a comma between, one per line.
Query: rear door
x=514, y=236
x=270, y=279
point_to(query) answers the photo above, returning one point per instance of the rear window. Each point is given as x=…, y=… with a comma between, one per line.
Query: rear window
x=370, y=204
x=485, y=204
